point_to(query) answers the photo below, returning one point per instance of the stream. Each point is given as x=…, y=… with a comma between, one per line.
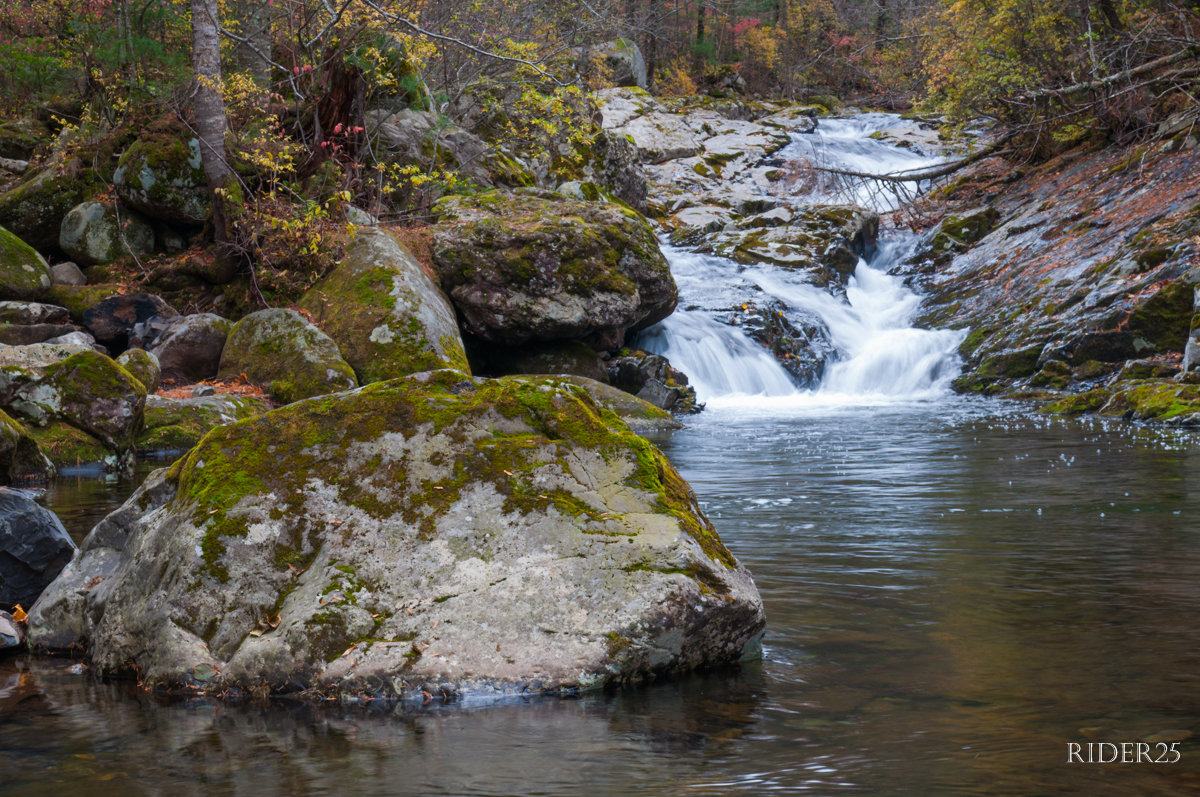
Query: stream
x=955, y=591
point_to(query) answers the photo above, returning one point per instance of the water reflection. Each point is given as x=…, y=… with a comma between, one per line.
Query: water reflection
x=952, y=595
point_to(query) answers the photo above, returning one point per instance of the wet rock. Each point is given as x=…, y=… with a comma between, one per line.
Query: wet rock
x=537, y=266
x=32, y=313
x=282, y=352
x=144, y=366
x=427, y=533
x=651, y=378
x=190, y=346
x=96, y=232
x=23, y=272
x=1148, y=369
x=113, y=321
x=12, y=633
x=559, y=357
x=386, y=314
x=20, y=458
x=803, y=346
x=958, y=232
x=67, y=274
x=34, y=548
x=160, y=175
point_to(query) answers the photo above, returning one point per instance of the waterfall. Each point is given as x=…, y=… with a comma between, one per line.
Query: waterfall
x=878, y=355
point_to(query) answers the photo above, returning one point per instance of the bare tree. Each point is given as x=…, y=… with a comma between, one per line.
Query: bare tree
x=210, y=122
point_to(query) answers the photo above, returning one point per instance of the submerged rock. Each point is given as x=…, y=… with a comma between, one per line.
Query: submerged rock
x=538, y=266
x=287, y=356
x=387, y=315
x=34, y=548
x=433, y=535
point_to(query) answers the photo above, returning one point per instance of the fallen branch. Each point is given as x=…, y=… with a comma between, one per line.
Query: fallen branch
x=920, y=175
x=1091, y=85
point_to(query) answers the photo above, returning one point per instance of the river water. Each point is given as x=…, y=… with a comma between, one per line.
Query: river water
x=956, y=590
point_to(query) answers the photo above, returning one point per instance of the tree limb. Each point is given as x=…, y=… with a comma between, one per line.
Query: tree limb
x=1091, y=85
x=928, y=173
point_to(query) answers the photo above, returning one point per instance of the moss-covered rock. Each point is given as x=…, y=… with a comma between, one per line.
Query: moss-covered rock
x=21, y=136
x=85, y=389
x=433, y=535
x=1015, y=364
x=1080, y=403
x=96, y=232
x=387, y=315
x=641, y=416
x=68, y=447
x=1153, y=400
x=78, y=299
x=24, y=273
x=161, y=175
x=958, y=232
x=282, y=352
x=34, y=208
x=20, y=458
x=144, y=366
x=538, y=266
x=179, y=424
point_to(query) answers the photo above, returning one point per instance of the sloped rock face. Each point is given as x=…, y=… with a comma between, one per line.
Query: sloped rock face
x=538, y=266
x=20, y=457
x=282, y=352
x=388, y=317
x=23, y=272
x=434, y=535
x=1091, y=259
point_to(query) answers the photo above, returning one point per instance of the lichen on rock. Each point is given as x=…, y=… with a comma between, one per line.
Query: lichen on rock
x=429, y=535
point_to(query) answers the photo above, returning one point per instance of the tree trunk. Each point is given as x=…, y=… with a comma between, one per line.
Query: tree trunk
x=256, y=18
x=211, y=126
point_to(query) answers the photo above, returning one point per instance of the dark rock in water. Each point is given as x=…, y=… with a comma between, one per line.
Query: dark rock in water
x=651, y=378
x=802, y=348
x=112, y=320
x=430, y=535
x=538, y=266
x=560, y=357
x=190, y=347
x=34, y=547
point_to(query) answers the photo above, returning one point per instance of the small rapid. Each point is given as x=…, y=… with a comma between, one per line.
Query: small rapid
x=877, y=355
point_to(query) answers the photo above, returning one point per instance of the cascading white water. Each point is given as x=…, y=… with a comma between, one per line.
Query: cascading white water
x=880, y=356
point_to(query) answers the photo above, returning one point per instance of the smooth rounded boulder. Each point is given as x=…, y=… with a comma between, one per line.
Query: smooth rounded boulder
x=191, y=345
x=95, y=232
x=282, y=352
x=535, y=265
x=433, y=535
x=388, y=317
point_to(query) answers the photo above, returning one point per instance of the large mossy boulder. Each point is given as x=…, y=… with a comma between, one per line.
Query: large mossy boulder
x=282, y=352
x=433, y=535
x=161, y=175
x=85, y=389
x=387, y=315
x=24, y=273
x=96, y=232
x=534, y=265
x=34, y=208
